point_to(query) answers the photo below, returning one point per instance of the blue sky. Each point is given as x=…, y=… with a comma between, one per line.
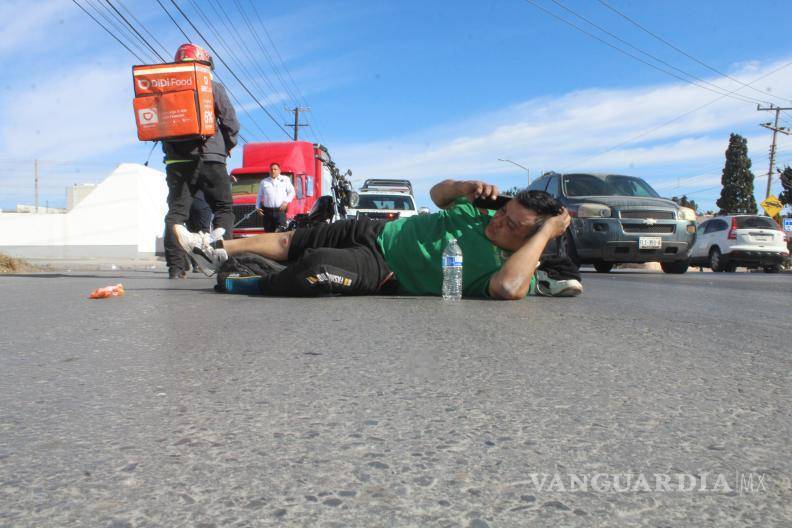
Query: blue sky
x=423, y=90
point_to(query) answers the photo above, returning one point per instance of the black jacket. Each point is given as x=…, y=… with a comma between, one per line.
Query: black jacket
x=216, y=147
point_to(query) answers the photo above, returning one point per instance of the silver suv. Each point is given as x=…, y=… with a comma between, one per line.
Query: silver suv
x=618, y=219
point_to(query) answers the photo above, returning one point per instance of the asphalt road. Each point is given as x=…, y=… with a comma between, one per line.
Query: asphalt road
x=175, y=406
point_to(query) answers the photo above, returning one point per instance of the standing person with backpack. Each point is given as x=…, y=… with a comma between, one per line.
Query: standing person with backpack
x=199, y=165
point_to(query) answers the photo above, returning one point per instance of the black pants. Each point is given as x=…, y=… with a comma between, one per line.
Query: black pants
x=200, y=218
x=333, y=258
x=184, y=181
x=273, y=218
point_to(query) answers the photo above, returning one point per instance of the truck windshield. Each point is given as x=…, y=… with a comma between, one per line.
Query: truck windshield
x=590, y=185
x=247, y=184
x=385, y=201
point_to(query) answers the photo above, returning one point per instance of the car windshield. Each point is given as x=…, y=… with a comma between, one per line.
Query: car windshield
x=385, y=201
x=590, y=185
x=755, y=222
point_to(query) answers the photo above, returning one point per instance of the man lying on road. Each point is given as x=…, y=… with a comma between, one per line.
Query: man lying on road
x=501, y=250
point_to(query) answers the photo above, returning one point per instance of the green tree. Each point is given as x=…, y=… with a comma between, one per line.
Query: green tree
x=786, y=181
x=684, y=202
x=737, y=194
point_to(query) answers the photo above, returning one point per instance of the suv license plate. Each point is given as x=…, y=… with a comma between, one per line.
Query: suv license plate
x=650, y=242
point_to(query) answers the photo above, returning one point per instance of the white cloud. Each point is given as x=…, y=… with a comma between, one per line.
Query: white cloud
x=24, y=22
x=74, y=115
x=581, y=130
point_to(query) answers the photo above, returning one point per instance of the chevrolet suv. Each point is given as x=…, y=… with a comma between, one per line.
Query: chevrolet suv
x=618, y=219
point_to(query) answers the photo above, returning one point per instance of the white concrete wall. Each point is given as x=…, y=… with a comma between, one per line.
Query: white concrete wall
x=123, y=216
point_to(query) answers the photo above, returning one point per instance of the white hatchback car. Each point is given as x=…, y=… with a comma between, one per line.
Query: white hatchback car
x=725, y=242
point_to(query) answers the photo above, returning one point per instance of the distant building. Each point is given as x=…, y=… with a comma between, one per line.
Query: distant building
x=77, y=193
x=25, y=208
x=123, y=216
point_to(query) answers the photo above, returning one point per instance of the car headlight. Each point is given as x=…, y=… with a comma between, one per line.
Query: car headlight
x=588, y=210
x=686, y=213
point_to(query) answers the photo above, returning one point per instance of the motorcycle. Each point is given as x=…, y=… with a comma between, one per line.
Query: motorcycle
x=328, y=208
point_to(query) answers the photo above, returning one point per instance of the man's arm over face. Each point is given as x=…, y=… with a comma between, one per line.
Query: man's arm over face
x=226, y=116
x=446, y=192
x=513, y=280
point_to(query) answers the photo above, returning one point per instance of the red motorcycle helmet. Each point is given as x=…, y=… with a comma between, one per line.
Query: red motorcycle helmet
x=192, y=52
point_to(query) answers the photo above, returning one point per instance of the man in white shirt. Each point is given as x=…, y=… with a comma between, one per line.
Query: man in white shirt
x=275, y=194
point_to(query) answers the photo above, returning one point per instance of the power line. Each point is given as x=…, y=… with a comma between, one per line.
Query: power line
x=683, y=52
x=316, y=131
x=230, y=49
x=224, y=43
x=228, y=89
x=286, y=88
x=266, y=53
x=108, y=31
x=715, y=88
x=128, y=23
x=220, y=58
x=105, y=12
x=174, y=21
x=124, y=7
x=673, y=120
x=720, y=168
x=625, y=52
x=226, y=20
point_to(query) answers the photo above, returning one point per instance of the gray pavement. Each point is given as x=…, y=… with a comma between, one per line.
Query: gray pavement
x=175, y=406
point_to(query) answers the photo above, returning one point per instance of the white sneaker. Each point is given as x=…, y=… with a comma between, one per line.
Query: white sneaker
x=547, y=287
x=217, y=233
x=199, y=245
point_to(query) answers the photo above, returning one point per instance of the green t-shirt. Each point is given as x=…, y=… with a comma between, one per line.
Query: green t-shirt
x=413, y=248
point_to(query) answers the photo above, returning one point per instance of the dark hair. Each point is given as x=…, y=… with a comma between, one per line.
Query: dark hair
x=540, y=202
x=273, y=164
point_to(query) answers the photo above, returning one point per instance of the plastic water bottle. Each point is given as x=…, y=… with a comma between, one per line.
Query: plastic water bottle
x=452, y=271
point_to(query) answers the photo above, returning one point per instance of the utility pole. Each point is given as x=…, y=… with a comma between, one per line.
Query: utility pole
x=526, y=169
x=296, y=124
x=36, y=182
x=776, y=129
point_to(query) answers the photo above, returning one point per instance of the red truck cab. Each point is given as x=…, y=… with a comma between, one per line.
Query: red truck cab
x=301, y=161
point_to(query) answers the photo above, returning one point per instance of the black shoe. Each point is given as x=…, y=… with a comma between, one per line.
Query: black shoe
x=175, y=272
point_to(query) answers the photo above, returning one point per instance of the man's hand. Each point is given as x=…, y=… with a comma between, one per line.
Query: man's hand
x=259, y=212
x=283, y=206
x=446, y=192
x=473, y=189
x=555, y=226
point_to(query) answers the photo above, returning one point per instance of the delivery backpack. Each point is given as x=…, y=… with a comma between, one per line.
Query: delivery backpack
x=173, y=101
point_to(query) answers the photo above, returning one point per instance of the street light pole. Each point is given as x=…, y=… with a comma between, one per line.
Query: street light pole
x=526, y=169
